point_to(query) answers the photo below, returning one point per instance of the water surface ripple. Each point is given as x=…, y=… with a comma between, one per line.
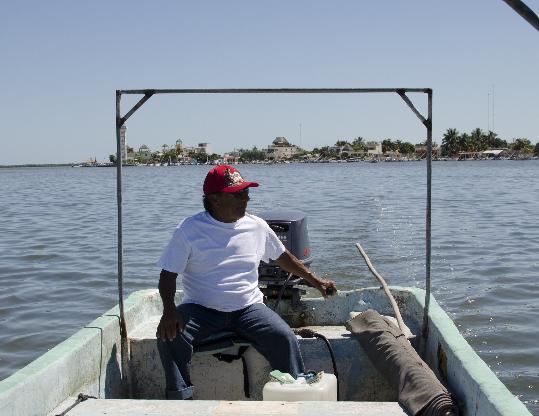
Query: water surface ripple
x=58, y=244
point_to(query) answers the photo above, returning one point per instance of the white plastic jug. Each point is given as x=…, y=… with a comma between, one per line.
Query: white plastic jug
x=324, y=389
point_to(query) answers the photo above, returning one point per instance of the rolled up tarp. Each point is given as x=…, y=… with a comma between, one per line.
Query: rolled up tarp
x=419, y=391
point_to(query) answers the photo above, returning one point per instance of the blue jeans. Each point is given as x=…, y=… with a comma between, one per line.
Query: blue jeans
x=257, y=323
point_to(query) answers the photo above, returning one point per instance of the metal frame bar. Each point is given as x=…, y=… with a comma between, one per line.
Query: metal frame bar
x=136, y=107
x=120, y=121
x=270, y=90
x=524, y=11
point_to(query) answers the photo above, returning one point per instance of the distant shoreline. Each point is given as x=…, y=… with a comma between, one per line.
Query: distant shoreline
x=60, y=165
x=38, y=165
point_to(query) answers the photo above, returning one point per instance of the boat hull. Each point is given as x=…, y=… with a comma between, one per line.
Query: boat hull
x=89, y=362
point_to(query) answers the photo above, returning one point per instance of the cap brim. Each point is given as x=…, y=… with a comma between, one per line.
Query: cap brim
x=240, y=187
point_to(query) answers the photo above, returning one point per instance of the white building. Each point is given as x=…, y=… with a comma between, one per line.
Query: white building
x=144, y=154
x=179, y=146
x=231, y=158
x=374, y=148
x=281, y=149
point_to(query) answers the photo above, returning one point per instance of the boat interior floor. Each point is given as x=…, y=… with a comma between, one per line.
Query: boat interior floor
x=124, y=407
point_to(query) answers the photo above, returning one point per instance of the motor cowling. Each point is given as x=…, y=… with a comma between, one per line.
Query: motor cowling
x=291, y=228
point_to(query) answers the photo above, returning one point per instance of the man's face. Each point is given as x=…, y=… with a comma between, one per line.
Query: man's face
x=229, y=206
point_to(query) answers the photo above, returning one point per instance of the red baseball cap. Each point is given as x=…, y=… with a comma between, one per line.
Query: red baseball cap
x=225, y=178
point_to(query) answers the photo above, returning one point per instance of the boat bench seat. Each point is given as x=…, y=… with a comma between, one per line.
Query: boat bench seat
x=124, y=407
x=218, y=380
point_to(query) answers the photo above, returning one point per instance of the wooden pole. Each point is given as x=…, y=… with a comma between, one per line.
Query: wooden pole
x=384, y=286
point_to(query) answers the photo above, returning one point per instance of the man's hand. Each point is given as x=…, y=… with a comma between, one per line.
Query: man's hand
x=171, y=322
x=326, y=287
x=291, y=264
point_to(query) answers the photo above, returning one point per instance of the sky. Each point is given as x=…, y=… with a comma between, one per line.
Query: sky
x=62, y=61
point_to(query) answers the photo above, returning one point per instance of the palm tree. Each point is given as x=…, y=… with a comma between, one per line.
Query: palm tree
x=464, y=142
x=450, y=142
x=494, y=142
x=478, y=140
x=491, y=139
x=522, y=146
x=388, y=146
x=406, y=148
x=358, y=144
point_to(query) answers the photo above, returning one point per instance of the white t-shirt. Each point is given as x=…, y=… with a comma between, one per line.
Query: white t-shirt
x=219, y=261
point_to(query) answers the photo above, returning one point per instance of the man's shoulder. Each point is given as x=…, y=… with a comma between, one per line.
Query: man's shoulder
x=193, y=220
x=256, y=220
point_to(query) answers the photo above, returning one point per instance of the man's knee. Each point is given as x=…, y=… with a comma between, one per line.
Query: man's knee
x=182, y=343
x=283, y=333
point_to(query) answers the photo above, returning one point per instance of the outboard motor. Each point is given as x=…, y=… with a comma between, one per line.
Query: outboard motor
x=291, y=228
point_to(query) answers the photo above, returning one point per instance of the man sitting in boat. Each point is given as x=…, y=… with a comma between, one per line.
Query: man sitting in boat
x=217, y=252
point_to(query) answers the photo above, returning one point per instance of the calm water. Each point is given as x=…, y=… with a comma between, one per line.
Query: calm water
x=58, y=244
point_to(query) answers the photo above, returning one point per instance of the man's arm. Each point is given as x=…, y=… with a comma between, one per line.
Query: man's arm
x=170, y=322
x=291, y=264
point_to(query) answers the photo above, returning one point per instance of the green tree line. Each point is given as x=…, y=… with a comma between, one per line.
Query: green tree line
x=454, y=142
x=251, y=155
x=404, y=148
